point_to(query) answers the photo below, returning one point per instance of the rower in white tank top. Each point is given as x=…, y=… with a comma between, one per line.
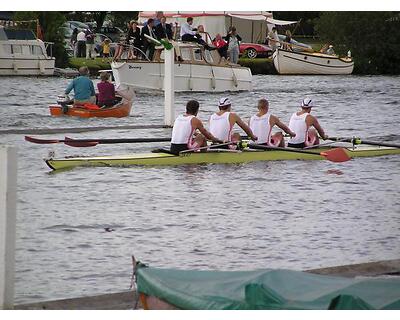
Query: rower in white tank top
x=220, y=126
x=301, y=123
x=299, y=126
x=182, y=132
x=260, y=125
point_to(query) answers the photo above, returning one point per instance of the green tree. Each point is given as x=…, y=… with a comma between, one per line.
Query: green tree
x=50, y=21
x=372, y=37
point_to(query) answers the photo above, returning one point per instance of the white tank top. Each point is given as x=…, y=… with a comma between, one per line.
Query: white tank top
x=182, y=131
x=299, y=126
x=261, y=128
x=220, y=126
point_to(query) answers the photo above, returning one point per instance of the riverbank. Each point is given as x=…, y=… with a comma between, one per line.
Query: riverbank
x=257, y=66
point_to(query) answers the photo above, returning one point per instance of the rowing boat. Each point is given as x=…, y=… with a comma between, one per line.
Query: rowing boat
x=215, y=156
x=265, y=289
x=118, y=111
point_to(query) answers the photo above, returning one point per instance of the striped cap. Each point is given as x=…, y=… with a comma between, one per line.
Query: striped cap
x=307, y=103
x=223, y=102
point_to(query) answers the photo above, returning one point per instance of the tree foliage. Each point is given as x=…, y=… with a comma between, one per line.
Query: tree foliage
x=372, y=37
x=50, y=21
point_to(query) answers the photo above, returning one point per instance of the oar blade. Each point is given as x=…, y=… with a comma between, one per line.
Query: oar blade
x=80, y=144
x=40, y=141
x=336, y=155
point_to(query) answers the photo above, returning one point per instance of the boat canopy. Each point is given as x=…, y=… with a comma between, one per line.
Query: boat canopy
x=248, y=15
x=280, y=22
x=266, y=289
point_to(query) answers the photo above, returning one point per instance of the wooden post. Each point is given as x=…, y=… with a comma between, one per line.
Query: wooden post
x=169, y=87
x=8, y=188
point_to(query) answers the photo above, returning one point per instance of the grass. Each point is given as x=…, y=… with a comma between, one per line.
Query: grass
x=258, y=65
x=94, y=65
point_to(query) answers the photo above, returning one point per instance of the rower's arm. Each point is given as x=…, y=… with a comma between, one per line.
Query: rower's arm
x=280, y=124
x=197, y=124
x=317, y=126
x=244, y=126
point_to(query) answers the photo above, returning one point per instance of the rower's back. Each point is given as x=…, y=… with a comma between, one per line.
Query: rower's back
x=182, y=131
x=260, y=125
x=299, y=126
x=220, y=126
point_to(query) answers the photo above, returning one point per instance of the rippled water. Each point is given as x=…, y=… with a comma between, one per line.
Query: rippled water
x=290, y=214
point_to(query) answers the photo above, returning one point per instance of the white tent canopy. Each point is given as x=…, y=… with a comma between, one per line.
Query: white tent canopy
x=280, y=22
x=251, y=25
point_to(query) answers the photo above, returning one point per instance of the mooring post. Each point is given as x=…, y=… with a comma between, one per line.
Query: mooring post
x=8, y=191
x=169, y=87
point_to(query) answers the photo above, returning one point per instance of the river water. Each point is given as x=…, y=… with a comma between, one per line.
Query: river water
x=289, y=214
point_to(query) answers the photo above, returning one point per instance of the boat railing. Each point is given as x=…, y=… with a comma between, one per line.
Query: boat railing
x=49, y=48
x=129, y=48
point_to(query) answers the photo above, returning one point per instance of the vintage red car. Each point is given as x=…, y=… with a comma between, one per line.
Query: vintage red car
x=254, y=50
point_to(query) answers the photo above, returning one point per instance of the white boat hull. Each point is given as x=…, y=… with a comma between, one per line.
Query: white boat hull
x=26, y=67
x=188, y=77
x=288, y=62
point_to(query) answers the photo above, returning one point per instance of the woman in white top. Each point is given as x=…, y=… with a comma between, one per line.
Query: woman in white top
x=262, y=123
x=184, y=135
x=301, y=123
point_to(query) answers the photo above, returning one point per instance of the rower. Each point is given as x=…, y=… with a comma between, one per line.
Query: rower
x=222, y=122
x=301, y=122
x=184, y=135
x=262, y=123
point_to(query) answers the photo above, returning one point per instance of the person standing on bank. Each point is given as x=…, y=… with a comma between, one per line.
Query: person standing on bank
x=89, y=44
x=81, y=44
x=233, y=40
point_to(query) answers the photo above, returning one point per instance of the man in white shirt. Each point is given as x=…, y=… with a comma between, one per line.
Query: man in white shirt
x=81, y=44
x=190, y=34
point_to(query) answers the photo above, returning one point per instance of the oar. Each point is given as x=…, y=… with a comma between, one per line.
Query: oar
x=93, y=142
x=334, y=155
x=361, y=141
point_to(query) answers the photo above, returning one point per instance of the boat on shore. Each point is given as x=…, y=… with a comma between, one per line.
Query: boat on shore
x=119, y=110
x=265, y=289
x=304, y=62
x=22, y=54
x=196, y=69
x=163, y=158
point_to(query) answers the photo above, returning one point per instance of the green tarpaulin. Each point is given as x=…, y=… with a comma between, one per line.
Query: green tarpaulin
x=266, y=289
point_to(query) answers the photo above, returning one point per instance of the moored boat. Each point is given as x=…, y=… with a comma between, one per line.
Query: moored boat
x=213, y=156
x=265, y=289
x=120, y=110
x=302, y=62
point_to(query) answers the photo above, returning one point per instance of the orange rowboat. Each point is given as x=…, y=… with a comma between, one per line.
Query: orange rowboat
x=120, y=110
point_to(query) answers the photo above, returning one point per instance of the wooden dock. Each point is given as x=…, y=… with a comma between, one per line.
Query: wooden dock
x=125, y=300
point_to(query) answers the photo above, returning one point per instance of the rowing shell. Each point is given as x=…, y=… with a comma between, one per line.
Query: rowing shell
x=165, y=159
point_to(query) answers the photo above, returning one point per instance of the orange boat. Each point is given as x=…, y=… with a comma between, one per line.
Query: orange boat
x=88, y=111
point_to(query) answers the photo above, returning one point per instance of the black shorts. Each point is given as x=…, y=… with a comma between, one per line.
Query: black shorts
x=297, y=145
x=176, y=148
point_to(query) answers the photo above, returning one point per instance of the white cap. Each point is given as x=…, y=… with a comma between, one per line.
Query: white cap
x=307, y=103
x=223, y=102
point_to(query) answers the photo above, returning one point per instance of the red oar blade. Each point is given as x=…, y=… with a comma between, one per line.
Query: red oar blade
x=73, y=143
x=336, y=155
x=40, y=141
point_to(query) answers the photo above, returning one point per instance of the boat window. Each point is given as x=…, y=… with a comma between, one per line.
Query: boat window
x=36, y=50
x=208, y=56
x=7, y=48
x=185, y=54
x=197, y=54
x=17, y=49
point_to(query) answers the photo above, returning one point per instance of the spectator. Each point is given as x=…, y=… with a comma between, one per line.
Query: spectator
x=190, y=34
x=89, y=44
x=81, y=44
x=273, y=39
x=233, y=40
x=83, y=87
x=221, y=45
x=133, y=39
x=159, y=16
x=106, y=48
x=288, y=40
x=148, y=46
x=106, y=96
x=163, y=30
x=330, y=50
x=74, y=40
